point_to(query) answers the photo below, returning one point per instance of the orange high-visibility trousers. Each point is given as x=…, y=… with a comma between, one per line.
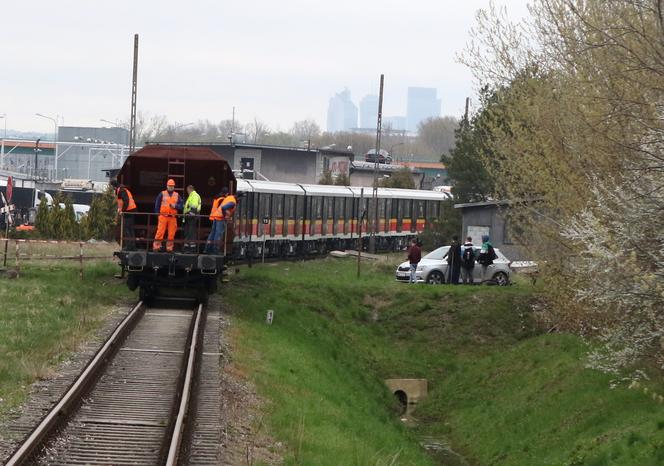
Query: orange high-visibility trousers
x=165, y=222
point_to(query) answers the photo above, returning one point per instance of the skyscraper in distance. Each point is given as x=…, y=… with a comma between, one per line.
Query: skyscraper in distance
x=423, y=103
x=368, y=111
x=341, y=112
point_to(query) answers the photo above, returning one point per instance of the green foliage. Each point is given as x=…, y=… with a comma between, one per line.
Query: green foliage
x=45, y=314
x=500, y=392
x=465, y=163
x=102, y=217
x=43, y=222
x=439, y=232
x=401, y=178
x=326, y=178
x=342, y=180
x=63, y=224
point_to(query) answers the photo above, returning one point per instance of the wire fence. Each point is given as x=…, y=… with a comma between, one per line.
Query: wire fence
x=16, y=251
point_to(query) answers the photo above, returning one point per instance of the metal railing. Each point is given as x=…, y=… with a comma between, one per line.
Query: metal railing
x=150, y=225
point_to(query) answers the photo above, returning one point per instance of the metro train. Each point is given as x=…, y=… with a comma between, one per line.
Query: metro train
x=289, y=219
x=272, y=220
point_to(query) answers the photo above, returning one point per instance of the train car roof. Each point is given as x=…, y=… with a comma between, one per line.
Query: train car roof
x=258, y=186
x=332, y=190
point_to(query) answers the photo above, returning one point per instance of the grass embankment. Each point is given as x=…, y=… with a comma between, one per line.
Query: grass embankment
x=44, y=315
x=499, y=391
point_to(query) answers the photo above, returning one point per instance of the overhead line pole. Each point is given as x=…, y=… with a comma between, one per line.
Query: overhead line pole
x=374, y=215
x=134, y=83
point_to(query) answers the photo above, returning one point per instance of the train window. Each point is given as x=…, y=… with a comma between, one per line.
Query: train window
x=431, y=209
x=290, y=206
x=277, y=207
x=299, y=206
x=317, y=207
x=419, y=209
x=395, y=208
x=339, y=207
x=263, y=211
x=406, y=211
x=329, y=207
x=381, y=208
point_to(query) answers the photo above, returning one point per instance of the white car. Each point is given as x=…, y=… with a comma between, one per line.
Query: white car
x=433, y=269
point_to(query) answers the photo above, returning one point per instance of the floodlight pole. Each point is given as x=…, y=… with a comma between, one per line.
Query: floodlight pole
x=134, y=86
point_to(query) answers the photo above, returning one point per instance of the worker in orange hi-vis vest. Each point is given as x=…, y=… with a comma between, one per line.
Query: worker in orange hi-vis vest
x=167, y=205
x=222, y=211
x=126, y=208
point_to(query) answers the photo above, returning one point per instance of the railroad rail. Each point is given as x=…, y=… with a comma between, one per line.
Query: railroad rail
x=130, y=404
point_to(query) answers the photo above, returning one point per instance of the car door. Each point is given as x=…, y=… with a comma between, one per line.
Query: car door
x=477, y=270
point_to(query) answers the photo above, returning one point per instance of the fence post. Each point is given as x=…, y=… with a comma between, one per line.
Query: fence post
x=18, y=253
x=80, y=259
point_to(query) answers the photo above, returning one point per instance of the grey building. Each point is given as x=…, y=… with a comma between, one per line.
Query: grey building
x=491, y=218
x=282, y=163
x=341, y=112
x=423, y=103
x=85, y=152
x=369, y=111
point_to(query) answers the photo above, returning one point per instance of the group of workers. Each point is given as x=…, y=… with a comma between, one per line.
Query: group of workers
x=168, y=205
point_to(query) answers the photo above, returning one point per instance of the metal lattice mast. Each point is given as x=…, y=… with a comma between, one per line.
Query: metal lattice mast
x=374, y=214
x=134, y=82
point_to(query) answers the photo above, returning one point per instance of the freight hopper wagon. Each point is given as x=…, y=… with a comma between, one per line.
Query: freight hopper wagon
x=187, y=273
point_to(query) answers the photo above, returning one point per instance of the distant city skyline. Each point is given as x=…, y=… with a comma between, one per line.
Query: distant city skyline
x=421, y=103
x=198, y=61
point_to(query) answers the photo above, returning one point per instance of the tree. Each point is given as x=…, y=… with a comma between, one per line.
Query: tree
x=471, y=181
x=440, y=231
x=576, y=123
x=342, y=179
x=401, y=178
x=43, y=222
x=438, y=134
x=326, y=178
x=258, y=131
x=101, y=219
x=305, y=130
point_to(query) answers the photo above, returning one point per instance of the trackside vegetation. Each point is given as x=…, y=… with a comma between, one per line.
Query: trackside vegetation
x=501, y=390
x=44, y=315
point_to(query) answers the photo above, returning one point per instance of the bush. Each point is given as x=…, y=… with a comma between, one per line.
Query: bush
x=439, y=232
x=102, y=217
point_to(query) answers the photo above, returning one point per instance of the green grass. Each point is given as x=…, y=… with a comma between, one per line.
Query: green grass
x=500, y=392
x=44, y=315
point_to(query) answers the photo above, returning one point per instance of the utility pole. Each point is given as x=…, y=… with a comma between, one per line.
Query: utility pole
x=134, y=83
x=374, y=215
x=465, y=115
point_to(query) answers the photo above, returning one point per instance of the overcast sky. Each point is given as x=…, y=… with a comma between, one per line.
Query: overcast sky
x=279, y=61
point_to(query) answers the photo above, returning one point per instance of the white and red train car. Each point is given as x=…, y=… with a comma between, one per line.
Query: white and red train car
x=287, y=219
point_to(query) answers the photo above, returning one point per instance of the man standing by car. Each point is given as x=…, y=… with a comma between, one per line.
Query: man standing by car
x=467, y=261
x=414, y=258
x=487, y=255
x=453, y=261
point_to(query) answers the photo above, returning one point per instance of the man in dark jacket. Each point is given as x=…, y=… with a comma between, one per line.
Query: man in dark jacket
x=453, y=261
x=467, y=262
x=414, y=258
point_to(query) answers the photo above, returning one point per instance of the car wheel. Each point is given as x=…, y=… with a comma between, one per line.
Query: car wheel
x=501, y=279
x=435, y=278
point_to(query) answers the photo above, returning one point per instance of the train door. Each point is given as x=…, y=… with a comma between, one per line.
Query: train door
x=418, y=215
x=289, y=215
x=264, y=214
x=277, y=216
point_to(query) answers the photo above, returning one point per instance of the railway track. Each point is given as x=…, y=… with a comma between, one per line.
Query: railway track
x=131, y=404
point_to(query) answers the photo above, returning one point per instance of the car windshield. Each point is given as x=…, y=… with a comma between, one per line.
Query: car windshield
x=437, y=254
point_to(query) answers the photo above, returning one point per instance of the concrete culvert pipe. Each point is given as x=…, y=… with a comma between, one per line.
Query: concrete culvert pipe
x=402, y=398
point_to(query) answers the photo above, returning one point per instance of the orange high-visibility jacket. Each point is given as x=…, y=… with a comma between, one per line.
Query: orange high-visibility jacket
x=228, y=206
x=166, y=200
x=216, y=213
x=131, y=205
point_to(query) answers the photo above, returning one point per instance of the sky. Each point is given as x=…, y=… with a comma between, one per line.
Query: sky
x=278, y=61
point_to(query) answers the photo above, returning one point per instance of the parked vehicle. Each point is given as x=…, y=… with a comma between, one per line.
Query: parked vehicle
x=383, y=156
x=432, y=269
